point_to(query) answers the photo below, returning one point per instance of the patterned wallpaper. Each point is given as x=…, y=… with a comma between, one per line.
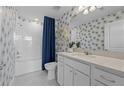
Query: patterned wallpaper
x=7, y=49
x=63, y=31
x=91, y=35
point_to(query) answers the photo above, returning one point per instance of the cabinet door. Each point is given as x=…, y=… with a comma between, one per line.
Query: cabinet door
x=68, y=76
x=60, y=73
x=81, y=79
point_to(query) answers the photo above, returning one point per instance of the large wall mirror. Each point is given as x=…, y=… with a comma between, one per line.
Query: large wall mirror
x=89, y=28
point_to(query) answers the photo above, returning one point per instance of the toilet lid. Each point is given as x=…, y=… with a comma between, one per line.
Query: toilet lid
x=50, y=65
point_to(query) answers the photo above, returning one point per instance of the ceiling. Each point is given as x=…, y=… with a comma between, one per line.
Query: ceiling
x=40, y=11
x=81, y=18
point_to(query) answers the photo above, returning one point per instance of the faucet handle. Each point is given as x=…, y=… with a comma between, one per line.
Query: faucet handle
x=86, y=52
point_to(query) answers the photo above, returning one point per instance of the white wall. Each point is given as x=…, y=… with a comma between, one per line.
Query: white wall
x=28, y=42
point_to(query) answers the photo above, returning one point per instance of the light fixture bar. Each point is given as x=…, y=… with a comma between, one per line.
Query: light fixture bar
x=87, y=9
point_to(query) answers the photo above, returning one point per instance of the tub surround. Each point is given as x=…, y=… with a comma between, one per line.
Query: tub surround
x=28, y=41
x=96, y=70
x=29, y=65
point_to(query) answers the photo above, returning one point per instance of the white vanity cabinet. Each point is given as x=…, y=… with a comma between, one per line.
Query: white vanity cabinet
x=74, y=77
x=102, y=76
x=75, y=72
x=81, y=79
x=72, y=73
x=114, y=36
x=60, y=71
x=68, y=76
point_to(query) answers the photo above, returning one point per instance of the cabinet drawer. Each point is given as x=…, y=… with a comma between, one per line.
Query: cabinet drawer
x=108, y=78
x=84, y=68
x=60, y=58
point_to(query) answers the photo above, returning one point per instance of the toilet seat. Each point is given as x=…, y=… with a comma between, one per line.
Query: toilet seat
x=50, y=66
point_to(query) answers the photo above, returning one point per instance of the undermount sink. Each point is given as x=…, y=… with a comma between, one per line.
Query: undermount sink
x=91, y=56
x=83, y=55
x=77, y=54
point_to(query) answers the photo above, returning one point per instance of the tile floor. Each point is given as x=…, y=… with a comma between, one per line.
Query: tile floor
x=38, y=78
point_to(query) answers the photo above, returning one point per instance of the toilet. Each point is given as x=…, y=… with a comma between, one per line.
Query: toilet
x=51, y=68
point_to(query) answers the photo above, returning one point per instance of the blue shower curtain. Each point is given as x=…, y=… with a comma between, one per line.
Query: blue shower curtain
x=48, y=44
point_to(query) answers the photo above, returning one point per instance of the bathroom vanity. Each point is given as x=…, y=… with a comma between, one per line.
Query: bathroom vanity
x=78, y=69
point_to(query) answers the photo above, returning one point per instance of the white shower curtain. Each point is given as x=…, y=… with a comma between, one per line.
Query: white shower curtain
x=7, y=49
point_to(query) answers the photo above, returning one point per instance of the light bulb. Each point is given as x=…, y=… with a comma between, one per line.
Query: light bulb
x=81, y=8
x=92, y=8
x=85, y=12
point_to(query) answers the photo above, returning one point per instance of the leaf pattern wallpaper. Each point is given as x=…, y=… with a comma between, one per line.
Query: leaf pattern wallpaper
x=91, y=34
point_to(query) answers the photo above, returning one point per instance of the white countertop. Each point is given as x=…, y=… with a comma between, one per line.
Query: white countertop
x=113, y=63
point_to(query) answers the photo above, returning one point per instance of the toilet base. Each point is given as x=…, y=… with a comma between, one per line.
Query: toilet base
x=51, y=75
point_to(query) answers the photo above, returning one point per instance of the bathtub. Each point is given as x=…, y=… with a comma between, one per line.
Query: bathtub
x=24, y=66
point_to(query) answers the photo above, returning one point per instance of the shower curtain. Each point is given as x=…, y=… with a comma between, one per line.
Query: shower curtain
x=48, y=44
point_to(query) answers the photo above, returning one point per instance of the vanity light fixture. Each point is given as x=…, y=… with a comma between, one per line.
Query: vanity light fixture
x=92, y=8
x=87, y=9
x=85, y=12
x=81, y=8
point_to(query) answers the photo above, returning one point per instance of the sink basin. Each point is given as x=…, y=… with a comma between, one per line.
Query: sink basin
x=83, y=55
x=91, y=56
x=78, y=54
